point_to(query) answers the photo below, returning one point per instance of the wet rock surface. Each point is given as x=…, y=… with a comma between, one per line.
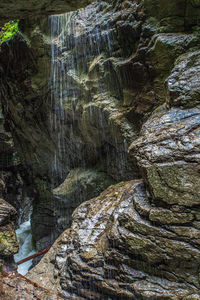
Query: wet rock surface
x=13, y=286
x=168, y=153
x=79, y=186
x=132, y=252
x=7, y=213
x=8, y=240
x=94, y=126
x=174, y=16
x=183, y=83
x=130, y=72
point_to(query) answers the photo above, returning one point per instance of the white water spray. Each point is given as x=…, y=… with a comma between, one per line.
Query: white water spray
x=26, y=248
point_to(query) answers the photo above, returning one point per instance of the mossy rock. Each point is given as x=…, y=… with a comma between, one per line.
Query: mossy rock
x=8, y=241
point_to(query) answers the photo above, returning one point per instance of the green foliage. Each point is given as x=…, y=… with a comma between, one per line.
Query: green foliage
x=8, y=31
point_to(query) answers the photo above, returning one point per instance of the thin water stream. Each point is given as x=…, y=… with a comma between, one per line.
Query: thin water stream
x=74, y=46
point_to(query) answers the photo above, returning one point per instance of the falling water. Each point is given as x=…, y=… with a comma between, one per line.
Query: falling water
x=74, y=44
x=79, y=40
x=24, y=237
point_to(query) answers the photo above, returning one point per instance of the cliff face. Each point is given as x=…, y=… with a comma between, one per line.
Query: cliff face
x=19, y=9
x=13, y=187
x=111, y=93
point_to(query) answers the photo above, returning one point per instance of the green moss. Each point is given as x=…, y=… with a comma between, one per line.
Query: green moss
x=8, y=31
x=8, y=243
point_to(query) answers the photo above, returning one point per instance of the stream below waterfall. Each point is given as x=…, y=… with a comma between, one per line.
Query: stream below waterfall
x=26, y=248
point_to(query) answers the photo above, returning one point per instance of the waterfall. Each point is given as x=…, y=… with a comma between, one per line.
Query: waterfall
x=74, y=45
x=26, y=248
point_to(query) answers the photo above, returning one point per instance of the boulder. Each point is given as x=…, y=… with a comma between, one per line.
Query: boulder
x=120, y=247
x=164, y=49
x=7, y=213
x=8, y=239
x=168, y=153
x=79, y=186
x=183, y=84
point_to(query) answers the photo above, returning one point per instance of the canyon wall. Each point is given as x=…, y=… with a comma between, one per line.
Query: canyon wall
x=15, y=10
x=110, y=95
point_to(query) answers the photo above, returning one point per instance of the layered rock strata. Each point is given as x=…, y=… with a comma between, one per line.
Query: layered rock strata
x=121, y=246
x=14, y=286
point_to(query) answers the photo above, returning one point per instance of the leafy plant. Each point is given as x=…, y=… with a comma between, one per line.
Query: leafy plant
x=8, y=31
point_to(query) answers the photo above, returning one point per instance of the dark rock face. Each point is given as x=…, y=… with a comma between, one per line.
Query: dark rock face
x=135, y=250
x=20, y=9
x=175, y=16
x=12, y=184
x=79, y=186
x=98, y=126
x=131, y=77
x=8, y=240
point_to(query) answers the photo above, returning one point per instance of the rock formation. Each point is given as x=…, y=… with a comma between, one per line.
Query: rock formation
x=8, y=240
x=136, y=250
x=94, y=126
x=168, y=153
x=13, y=187
x=14, y=286
x=143, y=238
x=111, y=94
x=20, y=9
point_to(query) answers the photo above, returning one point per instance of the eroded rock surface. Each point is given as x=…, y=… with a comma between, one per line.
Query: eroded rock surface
x=79, y=186
x=13, y=287
x=168, y=152
x=183, y=84
x=13, y=188
x=8, y=240
x=20, y=9
x=130, y=72
x=120, y=247
x=94, y=126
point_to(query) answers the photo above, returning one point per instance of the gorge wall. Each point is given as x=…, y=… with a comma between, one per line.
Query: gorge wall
x=110, y=95
x=19, y=9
